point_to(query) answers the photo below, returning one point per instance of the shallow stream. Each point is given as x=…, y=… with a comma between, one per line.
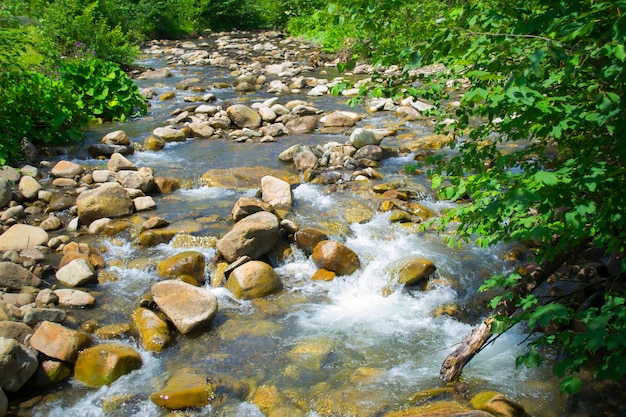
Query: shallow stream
x=342, y=347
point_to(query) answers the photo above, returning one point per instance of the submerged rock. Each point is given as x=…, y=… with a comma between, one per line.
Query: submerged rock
x=153, y=332
x=189, y=263
x=336, y=257
x=103, y=364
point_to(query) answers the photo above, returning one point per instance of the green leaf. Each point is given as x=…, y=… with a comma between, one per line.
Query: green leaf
x=546, y=178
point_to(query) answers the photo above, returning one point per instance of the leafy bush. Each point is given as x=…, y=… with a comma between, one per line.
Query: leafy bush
x=540, y=156
x=101, y=88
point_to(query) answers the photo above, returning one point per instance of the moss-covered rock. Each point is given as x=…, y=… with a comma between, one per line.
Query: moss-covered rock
x=103, y=364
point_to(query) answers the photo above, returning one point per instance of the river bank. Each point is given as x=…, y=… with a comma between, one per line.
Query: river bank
x=257, y=137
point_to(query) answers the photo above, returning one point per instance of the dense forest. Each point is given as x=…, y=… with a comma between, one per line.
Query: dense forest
x=547, y=73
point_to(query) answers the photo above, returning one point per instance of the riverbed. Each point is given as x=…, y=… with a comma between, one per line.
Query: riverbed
x=346, y=347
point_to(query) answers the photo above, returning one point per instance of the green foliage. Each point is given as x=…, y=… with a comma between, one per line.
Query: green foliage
x=539, y=155
x=65, y=22
x=102, y=89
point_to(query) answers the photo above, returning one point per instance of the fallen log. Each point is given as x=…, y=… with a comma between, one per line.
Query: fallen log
x=480, y=335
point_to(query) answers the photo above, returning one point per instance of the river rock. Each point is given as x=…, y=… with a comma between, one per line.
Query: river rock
x=15, y=277
x=253, y=236
x=71, y=298
x=108, y=200
x=119, y=162
x=170, y=134
x=184, y=389
x=66, y=169
x=76, y=273
x=438, y=409
x=4, y=403
x=117, y=137
x=244, y=116
x=411, y=271
x=154, y=74
x=59, y=342
x=51, y=223
x=202, y=129
x=152, y=330
x=304, y=159
x=189, y=308
x=166, y=185
x=103, y=364
x=141, y=180
x=274, y=130
x=144, y=203
x=372, y=152
x=154, y=222
x=102, y=150
x=29, y=187
x=49, y=373
x=304, y=124
x=267, y=114
x=308, y=237
x=497, y=404
x=276, y=192
x=246, y=206
x=22, y=236
x=153, y=143
x=341, y=119
x=36, y=315
x=188, y=263
x=17, y=362
x=6, y=191
x=336, y=257
x=253, y=279
x=60, y=202
x=15, y=330
x=363, y=137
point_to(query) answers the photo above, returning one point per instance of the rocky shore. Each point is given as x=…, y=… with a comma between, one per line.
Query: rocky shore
x=54, y=213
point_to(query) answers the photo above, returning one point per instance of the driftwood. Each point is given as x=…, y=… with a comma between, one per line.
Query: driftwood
x=480, y=335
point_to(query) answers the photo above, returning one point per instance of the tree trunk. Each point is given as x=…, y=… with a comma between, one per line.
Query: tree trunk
x=480, y=335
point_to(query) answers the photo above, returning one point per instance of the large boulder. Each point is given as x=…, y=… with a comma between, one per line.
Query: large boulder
x=244, y=116
x=253, y=236
x=15, y=277
x=189, y=308
x=187, y=263
x=363, y=137
x=22, y=236
x=108, y=200
x=59, y=342
x=276, y=192
x=253, y=279
x=103, y=364
x=152, y=330
x=336, y=257
x=17, y=362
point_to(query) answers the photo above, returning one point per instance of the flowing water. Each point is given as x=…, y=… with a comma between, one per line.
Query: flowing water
x=343, y=347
